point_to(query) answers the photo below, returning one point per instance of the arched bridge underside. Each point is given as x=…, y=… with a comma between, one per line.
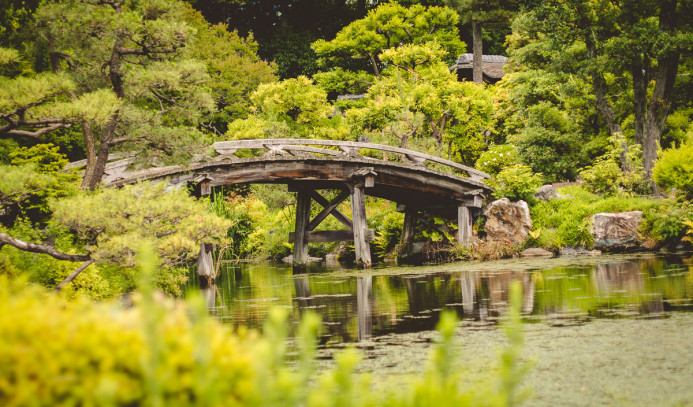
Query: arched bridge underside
x=411, y=179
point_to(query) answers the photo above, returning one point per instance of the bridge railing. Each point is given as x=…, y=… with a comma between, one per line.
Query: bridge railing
x=301, y=147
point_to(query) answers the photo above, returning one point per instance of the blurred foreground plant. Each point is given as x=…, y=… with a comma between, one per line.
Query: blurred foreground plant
x=159, y=352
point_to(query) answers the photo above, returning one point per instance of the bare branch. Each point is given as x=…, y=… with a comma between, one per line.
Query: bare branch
x=37, y=133
x=72, y=275
x=43, y=249
x=144, y=51
x=163, y=97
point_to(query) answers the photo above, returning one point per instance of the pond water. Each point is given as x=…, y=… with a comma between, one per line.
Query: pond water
x=607, y=330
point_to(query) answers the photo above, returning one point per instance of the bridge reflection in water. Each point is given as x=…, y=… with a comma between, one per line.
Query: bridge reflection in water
x=362, y=307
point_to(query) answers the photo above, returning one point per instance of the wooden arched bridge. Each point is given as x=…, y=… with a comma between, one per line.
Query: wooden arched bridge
x=414, y=180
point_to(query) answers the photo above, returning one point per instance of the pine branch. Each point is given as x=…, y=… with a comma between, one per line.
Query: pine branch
x=72, y=275
x=36, y=133
x=42, y=249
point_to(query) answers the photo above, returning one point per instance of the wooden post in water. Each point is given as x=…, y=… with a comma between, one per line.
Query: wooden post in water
x=205, y=263
x=358, y=219
x=464, y=225
x=303, y=200
x=409, y=227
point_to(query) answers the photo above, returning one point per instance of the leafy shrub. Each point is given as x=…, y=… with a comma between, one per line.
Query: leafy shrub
x=566, y=221
x=516, y=182
x=387, y=224
x=668, y=224
x=497, y=158
x=674, y=169
x=606, y=174
x=35, y=177
x=547, y=143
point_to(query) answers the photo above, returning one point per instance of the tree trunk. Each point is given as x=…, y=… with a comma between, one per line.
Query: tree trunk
x=90, y=146
x=93, y=174
x=639, y=99
x=604, y=106
x=477, y=49
x=663, y=94
x=96, y=166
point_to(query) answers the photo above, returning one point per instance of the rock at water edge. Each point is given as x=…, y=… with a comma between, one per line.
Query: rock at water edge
x=616, y=231
x=536, y=252
x=508, y=222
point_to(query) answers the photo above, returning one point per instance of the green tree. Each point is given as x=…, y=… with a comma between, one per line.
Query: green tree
x=417, y=96
x=111, y=225
x=633, y=47
x=233, y=66
x=287, y=109
x=132, y=50
x=387, y=26
x=34, y=105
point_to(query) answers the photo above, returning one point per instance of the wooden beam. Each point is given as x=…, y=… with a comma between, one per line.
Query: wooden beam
x=358, y=216
x=328, y=209
x=333, y=235
x=302, y=218
x=474, y=202
x=337, y=214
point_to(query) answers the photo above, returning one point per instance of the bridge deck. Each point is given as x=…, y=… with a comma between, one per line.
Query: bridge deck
x=398, y=182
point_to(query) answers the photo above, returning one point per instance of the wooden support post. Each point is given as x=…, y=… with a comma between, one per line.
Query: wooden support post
x=364, y=303
x=358, y=219
x=464, y=225
x=302, y=219
x=205, y=263
x=408, y=229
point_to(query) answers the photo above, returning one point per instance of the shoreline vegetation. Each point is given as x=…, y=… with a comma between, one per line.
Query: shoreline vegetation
x=91, y=277
x=158, y=351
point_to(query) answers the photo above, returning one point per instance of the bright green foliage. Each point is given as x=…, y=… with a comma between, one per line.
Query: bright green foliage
x=296, y=98
x=516, y=182
x=391, y=25
x=496, y=158
x=339, y=81
x=668, y=225
x=566, y=221
x=292, y=108
x=108, y=355
x=233, y=67
x=45, y=156
x=136, y=51
x=606, y=174
x=35, y=177
x=114, y=222
x=418, y=97
x=674, y=169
